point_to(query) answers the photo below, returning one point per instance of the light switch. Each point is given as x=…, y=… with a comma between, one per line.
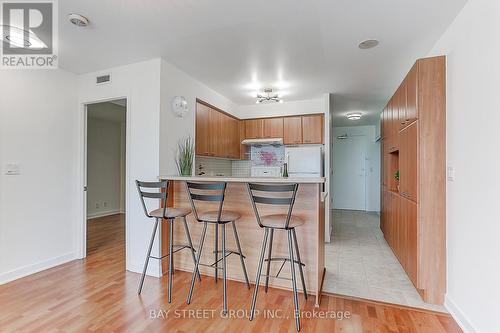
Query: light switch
x=12, y=169
x=451, y=173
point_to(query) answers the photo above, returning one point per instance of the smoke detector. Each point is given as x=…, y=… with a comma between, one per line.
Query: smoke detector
x=368, y=44
x=78, y=20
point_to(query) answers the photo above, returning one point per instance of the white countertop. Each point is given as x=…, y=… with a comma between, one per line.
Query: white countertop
x=301, y=180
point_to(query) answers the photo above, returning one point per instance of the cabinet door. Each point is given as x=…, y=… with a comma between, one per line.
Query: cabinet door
x=402, y=110
x=411, y=266
x=216, y=142
x=408, y=171
x=244, y=149
x=202, y=130
x=312, y=129
x=411, y=91
x=254, y=129
x=292, y=130
x=273, y=127
x=234, y=138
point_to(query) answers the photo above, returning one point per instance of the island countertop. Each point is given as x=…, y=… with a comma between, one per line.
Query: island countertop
x=309, y=206
x=299, y=180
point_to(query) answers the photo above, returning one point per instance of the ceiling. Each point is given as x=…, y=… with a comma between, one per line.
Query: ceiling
x=302, y=48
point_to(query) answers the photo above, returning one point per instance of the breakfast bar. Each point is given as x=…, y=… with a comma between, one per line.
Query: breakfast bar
x=309, y=206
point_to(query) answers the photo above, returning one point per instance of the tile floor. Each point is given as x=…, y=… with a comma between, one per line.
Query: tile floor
x=360, y=263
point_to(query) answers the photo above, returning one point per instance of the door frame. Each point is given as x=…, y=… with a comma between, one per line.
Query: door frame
x=81, y=229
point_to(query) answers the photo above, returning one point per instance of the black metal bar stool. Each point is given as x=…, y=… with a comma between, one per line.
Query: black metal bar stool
x=159, y=190
x=260, y=194
x=215, y=193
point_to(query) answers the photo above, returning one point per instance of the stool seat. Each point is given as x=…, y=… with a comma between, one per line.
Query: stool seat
x=170, y=213
x=226, y=216
x=278, y=221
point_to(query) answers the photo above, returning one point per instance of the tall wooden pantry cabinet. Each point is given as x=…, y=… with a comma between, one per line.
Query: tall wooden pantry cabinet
x=413, y=212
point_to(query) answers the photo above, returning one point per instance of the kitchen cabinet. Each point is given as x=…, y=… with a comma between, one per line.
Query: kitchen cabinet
x=292, y=130
x=254, y=128
x=272, y=127
x=408, y=175
x=414, y=209
x=411, y=95
x=244, y=149
x=202, y=137
x=217, y=134
x=312, y=129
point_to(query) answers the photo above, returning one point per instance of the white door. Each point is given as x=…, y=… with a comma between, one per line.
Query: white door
x=349, y=173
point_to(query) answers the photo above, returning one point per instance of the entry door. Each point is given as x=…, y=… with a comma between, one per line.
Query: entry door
x=349, y=173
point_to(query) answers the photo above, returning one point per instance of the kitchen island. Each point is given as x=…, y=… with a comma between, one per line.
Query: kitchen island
x=309, y=205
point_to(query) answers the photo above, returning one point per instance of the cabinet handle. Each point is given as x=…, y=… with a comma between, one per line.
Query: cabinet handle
x=403, y=122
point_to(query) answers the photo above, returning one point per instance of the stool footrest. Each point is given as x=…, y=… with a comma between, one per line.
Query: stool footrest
x=179, y=247
x=285, y=260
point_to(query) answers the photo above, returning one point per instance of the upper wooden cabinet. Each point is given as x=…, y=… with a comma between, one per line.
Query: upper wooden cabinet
x=217, y=134
x=254, y=128
x=272, y=127
x=202, y=130
x=292, y=130
x=411, y=113
x=312, y=129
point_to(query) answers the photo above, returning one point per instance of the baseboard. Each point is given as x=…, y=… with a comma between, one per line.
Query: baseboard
x=35, y=268
x=103, y=214
x=154, y=268
x=459, y=316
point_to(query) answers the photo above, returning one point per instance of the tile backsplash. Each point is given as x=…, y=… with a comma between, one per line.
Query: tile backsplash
x=213, y=166
x=260, y=156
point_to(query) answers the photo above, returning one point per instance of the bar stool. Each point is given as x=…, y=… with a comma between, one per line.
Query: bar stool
x=215, y=193
x=260, y=194
x=159, y=190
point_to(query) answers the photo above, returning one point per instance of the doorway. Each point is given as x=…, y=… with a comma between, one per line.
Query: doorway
x=105, y=173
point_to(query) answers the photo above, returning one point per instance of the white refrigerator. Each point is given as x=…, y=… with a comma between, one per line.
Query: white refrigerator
x=304, y=161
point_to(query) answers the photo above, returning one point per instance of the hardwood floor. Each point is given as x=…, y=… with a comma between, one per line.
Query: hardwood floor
x=97, y=295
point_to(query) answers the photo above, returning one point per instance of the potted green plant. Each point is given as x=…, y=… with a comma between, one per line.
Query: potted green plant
x=396, y=176
x=185, y=156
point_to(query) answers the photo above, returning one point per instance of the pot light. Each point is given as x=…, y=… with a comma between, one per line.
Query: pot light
x=17, y=37
x=354, y=116
x=368, y=44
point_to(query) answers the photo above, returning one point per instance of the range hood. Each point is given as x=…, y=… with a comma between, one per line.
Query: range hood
x=263, y=142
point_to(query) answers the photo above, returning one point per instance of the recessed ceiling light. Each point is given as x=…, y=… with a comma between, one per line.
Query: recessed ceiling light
x=368, y=44
x=354, y=116
x=78, y=20
x=17, y=37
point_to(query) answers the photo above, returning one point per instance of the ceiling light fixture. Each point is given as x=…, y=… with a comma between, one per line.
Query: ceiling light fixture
x=268, y=97
x=354, y=116
x=78, y=20
x=368, y=44
x=20, y=38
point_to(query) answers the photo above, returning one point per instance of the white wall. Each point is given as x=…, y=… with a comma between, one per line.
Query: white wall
x=140, y=84
x=473, y=228
x=175, y=82
x=38, y=122
x=291, y=108
x=104, y=165
x=371, y=151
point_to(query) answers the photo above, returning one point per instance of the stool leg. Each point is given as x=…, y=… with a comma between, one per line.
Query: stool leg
x=294, y=282
x=216, y=246
x=147, y=257
x=190, y=243
x=300, y=263
x=269, y=259
x=241, y=254
x=223, y=226
x=193, y=279
x=170, y=258
x=259, y=271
